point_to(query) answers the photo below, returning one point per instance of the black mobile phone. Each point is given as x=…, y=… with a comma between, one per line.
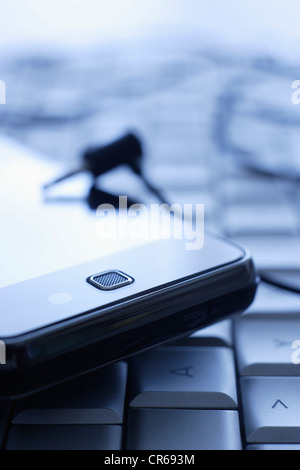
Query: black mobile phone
x=67, y=309
x=71, y=321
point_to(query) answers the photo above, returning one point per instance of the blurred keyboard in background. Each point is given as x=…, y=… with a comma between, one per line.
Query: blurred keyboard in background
x=219, y=128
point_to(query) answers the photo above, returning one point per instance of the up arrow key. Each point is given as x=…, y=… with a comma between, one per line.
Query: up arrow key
x=276, y=403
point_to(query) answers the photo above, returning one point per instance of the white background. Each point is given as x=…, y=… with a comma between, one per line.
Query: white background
x=271, y=24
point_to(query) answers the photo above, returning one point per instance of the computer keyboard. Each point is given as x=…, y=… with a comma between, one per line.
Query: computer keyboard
x=231, y=386
x=210, y=119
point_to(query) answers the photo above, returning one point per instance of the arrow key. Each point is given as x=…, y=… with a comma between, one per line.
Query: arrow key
x=271, y=409
x=279, y=402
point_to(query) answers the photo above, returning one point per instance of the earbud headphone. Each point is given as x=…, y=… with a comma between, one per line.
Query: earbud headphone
x=127, y=150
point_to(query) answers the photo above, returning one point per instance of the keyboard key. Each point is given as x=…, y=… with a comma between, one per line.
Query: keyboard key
x=272, y=300
x=67, y=437
x=182, y=377
x=180, y=177
x=288, y=278
x=96, y=398
x=273, y=447
x=247, y=189
x=264, y=345
x=271, y=409
x=183, y=429
x=272, y=251
x=260, y=219
x=218, y=334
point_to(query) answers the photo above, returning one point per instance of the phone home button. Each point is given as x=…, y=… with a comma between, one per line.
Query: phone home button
x=110, y=280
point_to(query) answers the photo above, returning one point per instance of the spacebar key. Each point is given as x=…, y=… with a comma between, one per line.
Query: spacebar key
x=166, y=429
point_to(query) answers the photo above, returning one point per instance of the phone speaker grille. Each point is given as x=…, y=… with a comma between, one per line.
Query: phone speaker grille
x=110, y=280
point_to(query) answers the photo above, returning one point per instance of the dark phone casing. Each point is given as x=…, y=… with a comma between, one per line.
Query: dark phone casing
x=62, y=324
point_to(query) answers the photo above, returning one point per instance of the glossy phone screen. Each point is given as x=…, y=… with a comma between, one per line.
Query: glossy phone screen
x=41, y=235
